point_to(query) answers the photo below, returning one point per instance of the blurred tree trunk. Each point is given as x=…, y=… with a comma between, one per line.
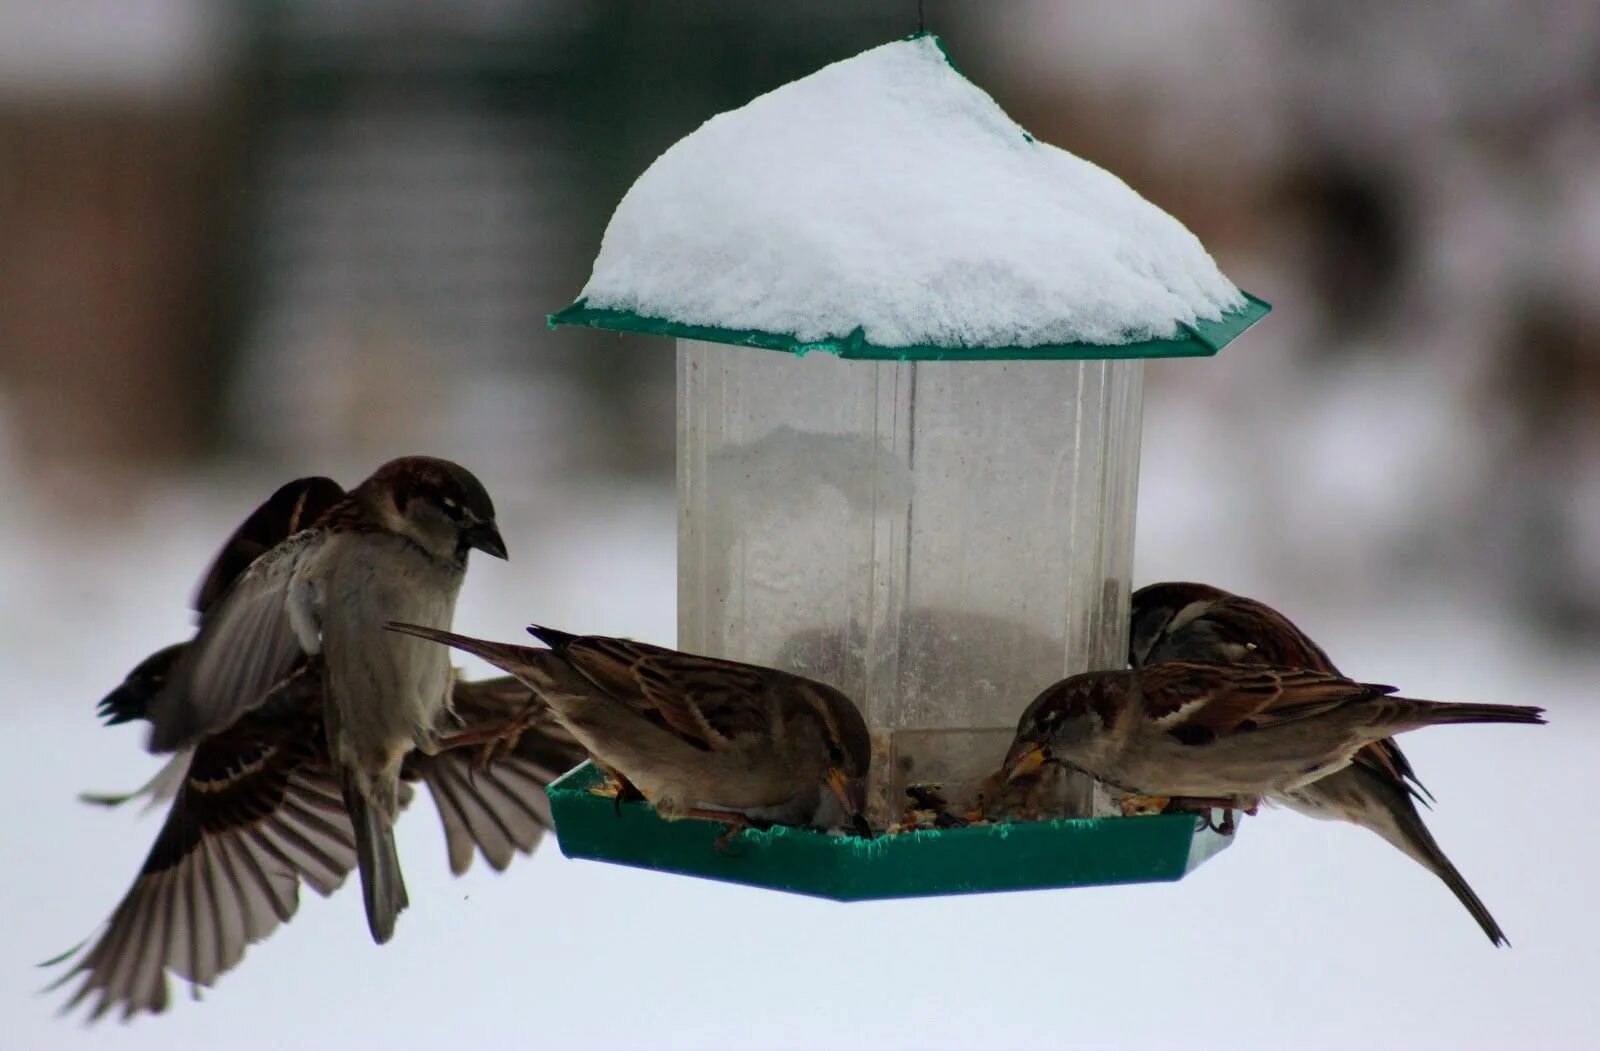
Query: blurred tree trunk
x=109, y=280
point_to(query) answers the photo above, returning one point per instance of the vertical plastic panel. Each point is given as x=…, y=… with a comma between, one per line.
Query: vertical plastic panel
x=939, y=540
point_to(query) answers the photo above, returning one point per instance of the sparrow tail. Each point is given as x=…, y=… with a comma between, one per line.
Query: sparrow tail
x=383, y=888
x=500, y=654
x=536, y=668
x=1426, y=713
x=1393, y=815
x=1421, y=845
x=556, y=640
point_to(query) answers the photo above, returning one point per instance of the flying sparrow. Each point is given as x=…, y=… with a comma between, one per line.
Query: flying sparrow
x=257, y=807
x=1378, y=790
x=394, y=547
x=698, y=736
x=291, y=508
x=1224, y=735
x=258, y=810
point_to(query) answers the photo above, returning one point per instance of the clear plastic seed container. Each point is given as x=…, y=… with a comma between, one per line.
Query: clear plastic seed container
x=939, y=540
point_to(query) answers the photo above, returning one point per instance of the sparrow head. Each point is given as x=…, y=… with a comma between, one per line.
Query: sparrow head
x=848, y=752
x=131, y=700
x=1061, y=720
x=437, y=504
x=1159, y=609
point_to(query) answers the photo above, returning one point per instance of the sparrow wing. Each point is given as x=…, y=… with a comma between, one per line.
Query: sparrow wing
x=250, y=640
x=1197, y=703
x=258, y=813
x=295, y=506
x=1385, y=760
x=499, y=808
x=705, y=701
x=1262, y=635
x=163, y=787
x=1219, y=626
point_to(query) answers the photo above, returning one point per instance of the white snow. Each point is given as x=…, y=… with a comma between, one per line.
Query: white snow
x=1337, y=939
x=887, y=192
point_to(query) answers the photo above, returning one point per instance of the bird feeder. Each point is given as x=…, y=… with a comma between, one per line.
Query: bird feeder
x=935, y=513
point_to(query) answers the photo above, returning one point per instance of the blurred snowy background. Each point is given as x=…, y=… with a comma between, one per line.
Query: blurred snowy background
x=243, y=242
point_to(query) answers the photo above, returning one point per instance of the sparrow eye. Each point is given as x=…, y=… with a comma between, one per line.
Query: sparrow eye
x=451, y=507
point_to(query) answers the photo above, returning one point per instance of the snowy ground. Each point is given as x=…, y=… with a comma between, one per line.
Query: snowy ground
x=1303, y=935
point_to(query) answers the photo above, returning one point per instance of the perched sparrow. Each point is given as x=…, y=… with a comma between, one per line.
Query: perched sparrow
x=394, y=547
x=698, y=736
x=1224, y=734
x=257, y=807
x=1378, y=790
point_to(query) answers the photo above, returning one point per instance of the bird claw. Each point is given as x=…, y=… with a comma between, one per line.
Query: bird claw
x=1132, y=806
x=735, y=822
x=723, y=844
x=494, y=740
x=1205, y=807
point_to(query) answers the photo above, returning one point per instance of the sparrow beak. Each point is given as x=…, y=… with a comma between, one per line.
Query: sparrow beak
x=486, y=538
x=851, y=792
x=1025, y=759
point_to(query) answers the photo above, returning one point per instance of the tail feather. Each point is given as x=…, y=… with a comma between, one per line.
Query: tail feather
x=383, y=887
x=1420, y=844
x=1386, y=807
x=556, y=640
x=1432, y=713
x=502, y=655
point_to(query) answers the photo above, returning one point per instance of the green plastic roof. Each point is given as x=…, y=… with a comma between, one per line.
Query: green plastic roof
x=1200, y=340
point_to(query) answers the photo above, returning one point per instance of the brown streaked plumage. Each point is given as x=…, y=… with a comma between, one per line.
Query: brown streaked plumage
x=295, y=506
x=394, y=547
x=698, y=736
x=258, y=810
x=496, y=807
x=258, y=799
x=1222, y=732
x=1378, y=791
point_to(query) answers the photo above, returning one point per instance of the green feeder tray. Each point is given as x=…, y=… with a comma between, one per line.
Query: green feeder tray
x=1032, y=855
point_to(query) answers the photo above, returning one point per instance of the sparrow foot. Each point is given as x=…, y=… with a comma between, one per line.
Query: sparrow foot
x=1135, y=805
x=624, y=792
x=735, y=822
x=1204, y=806
x=487, y=735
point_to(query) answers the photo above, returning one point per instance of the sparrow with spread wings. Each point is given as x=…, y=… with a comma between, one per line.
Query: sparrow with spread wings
x=257, y=807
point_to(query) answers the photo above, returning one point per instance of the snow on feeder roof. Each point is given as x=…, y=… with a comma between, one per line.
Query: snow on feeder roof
x=886, y=207
x=939, y=541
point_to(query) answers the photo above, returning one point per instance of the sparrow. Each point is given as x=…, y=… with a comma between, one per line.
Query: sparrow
x=697, y=736
x=1378, y=790
x=292, y=507
x=1221, y=735
x=394, y=547
x=259, y=809
x=259, y=799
